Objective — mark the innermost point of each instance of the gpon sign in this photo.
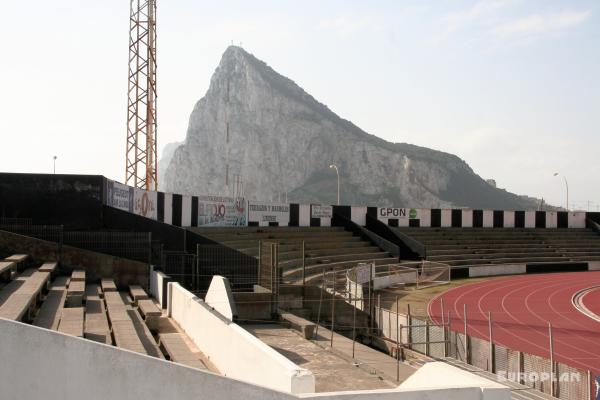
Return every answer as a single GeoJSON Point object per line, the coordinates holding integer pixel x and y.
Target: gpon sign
{"type": "Point", "coordinates": [399, 213]}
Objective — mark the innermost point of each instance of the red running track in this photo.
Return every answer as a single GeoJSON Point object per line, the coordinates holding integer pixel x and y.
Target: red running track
{"type": "Point", "coordinates": [591, 300]}
{"type": "Point", "coordinates": [521, 308]}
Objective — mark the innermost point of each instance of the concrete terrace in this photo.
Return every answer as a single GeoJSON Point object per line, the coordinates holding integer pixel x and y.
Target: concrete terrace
{"type": "Point", "coordinates": [332, 372]}
{"type": "Point", "coordinates": [83, 326]}
{"type": "Point", "coordinates": [464, 248]}
{"type": "Point", "coordinates": [325, 248]}
{"type": "Point", "coordinates": [94, 311]}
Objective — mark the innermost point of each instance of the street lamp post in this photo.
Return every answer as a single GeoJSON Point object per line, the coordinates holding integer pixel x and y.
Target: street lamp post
{"type": "Point", "coordinates": [566, 186]}
{"type": "Point", "coordinates": [337, 172]}
{"type": "Point", "coordinates": [54, 165]}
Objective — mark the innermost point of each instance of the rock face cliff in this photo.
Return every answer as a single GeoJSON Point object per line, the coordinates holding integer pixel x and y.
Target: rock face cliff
{"type": "Point", "coordinates": [259, 125]}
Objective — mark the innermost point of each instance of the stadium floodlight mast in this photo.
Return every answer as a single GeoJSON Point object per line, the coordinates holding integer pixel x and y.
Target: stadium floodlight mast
{"type": "Point", "coordinates": [566, 185]}
{"type": "Point", "coordinates": [337, 172]}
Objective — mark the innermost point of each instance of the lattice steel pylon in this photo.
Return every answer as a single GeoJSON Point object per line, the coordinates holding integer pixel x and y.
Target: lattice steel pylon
{"type": "Point", "coordinates": [141, 164]}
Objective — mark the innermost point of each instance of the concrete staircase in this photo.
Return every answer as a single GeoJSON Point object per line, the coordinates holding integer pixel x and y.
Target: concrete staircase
{"type": "Point", "coordinates": [484, 246]}
{"type": "Point", "coordinates": [326, 248]}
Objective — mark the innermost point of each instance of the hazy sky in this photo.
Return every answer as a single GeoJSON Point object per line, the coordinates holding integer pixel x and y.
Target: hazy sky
{"type": "Point", "coordinates": [512, 87]}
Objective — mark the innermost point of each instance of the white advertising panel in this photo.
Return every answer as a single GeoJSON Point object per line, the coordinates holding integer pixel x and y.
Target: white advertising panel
{"type": "Point", "coordinates": [318, 211]}
{"type": "Point", "coordinates": [145, 203]}
{"type": "Point", "coordinates": [398, 213]}
{"type": "Point", "coordinates": [264, 213]}
{"type": "Point", "coordinates": [221, 211]}
{"type": "Point", "coordinates": [363, 273]}
{"type": "Point", "coordinates": [119, 196]}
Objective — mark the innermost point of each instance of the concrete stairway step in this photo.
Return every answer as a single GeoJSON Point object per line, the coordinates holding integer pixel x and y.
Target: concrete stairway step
{"type": "Point", "coordinates": [245, 243]}
{"type": "Point", "coordinates": [301, 312]}
{"type": "Point", "coordinates": [250, 229]}
{"type": "Point", "coordinates": [323, 245]}
{"type": "Point", "coordinates": [314, 274]}
{"type": "Point", "coordinates": [223, 237]}
{"type": "Point", "coordinates": [456, 263]}
{"type": "Point", "coordinates": [467, 256]}
{"type": "Point", "coordinates": [466, 250]}
{"type": "Point", "coordinates": [471, 245]}
{"type": "Point", "coordinates": [327, 259]}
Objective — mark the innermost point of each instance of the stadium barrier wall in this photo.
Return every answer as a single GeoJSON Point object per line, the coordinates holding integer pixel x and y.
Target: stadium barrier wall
{"type": "Point", "coordinates": [183, 210]}
{"type": "Point", "coordinates": [125, 272]}
{"type": "Point", "coordinates": [158, 286]}
{"type": "Point", "coordinates": [439, 341]}
{"type": "Point", "coordinates": [494, 270]}
{"type": "Point", "coordinates": [529, 370]}
{"type": "Point", "coordinates": [465, 218]}
{"type": "Point", "coordinates": [220, 298]}
{"type": "Point", "coordinates": [53, 199]}
{"type": "Point", "coordinates": [594, 265]}
{"type": "Point", "coordinates": [65, 367]}
{"type": "Point", "coordinates": [304, 215]}
{"type": "Point", "coordinates": [382, 282]}
{"type": "Point", "coordinates": [76, 201]}
{"type": "Point", "coordinates": [526, 369]}
{"type": "Point", "coordinates": [233, 350]}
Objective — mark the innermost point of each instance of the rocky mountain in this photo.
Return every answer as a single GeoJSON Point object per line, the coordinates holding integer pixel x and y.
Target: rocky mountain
{"type": "Point", "coordinates": [256, 124]}
{"type": "Point", "coordinates": [165, 159]}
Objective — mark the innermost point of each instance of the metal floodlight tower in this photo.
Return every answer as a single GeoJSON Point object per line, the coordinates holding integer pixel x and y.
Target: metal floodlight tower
{"type": "Point", "coordinates": [141, 164]}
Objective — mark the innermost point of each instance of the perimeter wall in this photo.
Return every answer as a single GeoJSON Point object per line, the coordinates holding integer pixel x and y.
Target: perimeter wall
{"type": "Point", "coordinates": [38, 363]}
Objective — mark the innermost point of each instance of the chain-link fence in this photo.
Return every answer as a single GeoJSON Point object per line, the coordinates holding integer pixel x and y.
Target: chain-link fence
{"type": "Point", "coordinates": [215, 259]}
{"type": "Point", "coordinates": [533, 371]}
{"type": "Point", "coordinates": [572, 384]}
{"type": "Point", "coordinates": [437, 341]}
{"type": "Point", "coordinates": [418, 335]}
{"type": "Point", "coordinates": [51, 233]}
{"type": "Point", "coordinates": [269, 272]}
{"type": "Point", "coordinates": [131, 245]}
{"type": "Point", "coordinates": [181, 267]}
{"type": "Point", "coordinates": [16, 221]}
{"type": "Point", "coordinates": [156, 250]}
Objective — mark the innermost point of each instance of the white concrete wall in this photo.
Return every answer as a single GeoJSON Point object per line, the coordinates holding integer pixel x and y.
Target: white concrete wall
{"type": "Point", "coordinates": [156, 285]}
{"type": "Point", "coordinates": [220, 297]}
{"type": "Point", "coordinates": [448, 376]}
{"type": "Point", "coordinates": [358, 215]}
{"type": "Point", "coordinates": [593, 265]}
{"type": "Point", "coordinates": [233, 350]}
{"type": "Point", "coordinates": [42, 364]}
{"type": "Point", "coordinates": [488, 219]}
{"type": "Point", "coordinates": [356, 292]}
{"type": "Point", "coordinates": [382, 282]}
{"type": "Point", "coordinates": [186, 211]}
{"type": "Point", "coordinates": [38, 363]}
{"type": "Point", "coordinates": [467, 218]}
{"type": "Point", "coordinates": [529, 219]}
{"type": "Point", "coordinates": [168, 218]}
{"type": "Point", "coordinates": [153, 289]}
{"type": "Point", "coordinates": [390, 324]}
{"type": "Point", "coordinates": [495, 270]}
{"type": "Point", "coordinates": [425, 217]}
{"type": "Point", "coordinates": [325, 221]}
{"type": "Point", "coordinates": [304, 215]}
{"type": "Point", "coordinates": [509, 219]}
{"type": "Point", "coordinates": [404, 222]}
{"type": "Point", "coordinates": [446, 218]}
{"type": "Point", "coordinates": [577, 220]}
{"type": "Point", "coordinates": [551, 219]}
